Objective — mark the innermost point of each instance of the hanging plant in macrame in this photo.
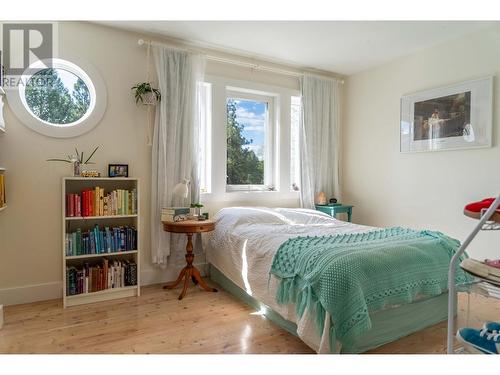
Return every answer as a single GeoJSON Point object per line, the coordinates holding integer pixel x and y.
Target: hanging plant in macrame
{"type": "Point", "coordinates": [146, 94]}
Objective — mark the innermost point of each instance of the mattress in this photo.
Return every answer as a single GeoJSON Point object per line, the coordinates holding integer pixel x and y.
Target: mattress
{"type": "Point", "coordinates": [243, 246]}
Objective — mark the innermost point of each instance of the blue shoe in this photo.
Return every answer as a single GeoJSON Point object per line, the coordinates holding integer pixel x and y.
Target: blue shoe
{"type": "Point", "coordinates": [480, 340]}
{"type": "Point", "coordinates": [491, 326]}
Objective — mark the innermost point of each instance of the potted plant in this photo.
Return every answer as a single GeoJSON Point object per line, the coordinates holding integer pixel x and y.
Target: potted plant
{"type": "Point", "coordinates": [76, 160]}
{"type": "Point", "coordinates": [146, 94]}
{"type": "Point", "coordinates": [196, 209]}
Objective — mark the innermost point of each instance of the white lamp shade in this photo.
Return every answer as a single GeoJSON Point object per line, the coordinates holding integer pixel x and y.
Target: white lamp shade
{"type": "Point", "coordinates": [181, 190]}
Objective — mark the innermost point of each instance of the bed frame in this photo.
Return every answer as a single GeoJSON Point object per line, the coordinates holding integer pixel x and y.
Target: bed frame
{"type": "Point", "coordinates": [387, 325]}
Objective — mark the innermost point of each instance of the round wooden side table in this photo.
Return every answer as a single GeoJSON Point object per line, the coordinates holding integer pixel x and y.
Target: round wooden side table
{"type": "Point", "coordinates": [189, 272]}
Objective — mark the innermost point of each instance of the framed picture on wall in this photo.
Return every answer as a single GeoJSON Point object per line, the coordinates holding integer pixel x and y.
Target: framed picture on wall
{"type": "Point", "coordinates": [448, 118]}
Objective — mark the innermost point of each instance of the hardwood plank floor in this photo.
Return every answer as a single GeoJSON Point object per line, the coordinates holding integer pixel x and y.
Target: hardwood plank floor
{"type": "Point", "coordinates": [157, 322]}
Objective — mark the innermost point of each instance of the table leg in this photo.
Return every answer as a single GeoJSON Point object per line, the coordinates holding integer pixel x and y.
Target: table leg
{"type": "Point", "coordinates": [189, 272]}
{"type": "Point", "coordinates": [349, 214]}
{"type": "Point", "coordinates": [176, 282]}
{"type": "Point", "coordinates": [201, 282]}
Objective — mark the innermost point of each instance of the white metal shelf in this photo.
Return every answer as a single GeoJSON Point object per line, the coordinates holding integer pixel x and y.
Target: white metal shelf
{"type": "Point", "coordinates": [452, 287]}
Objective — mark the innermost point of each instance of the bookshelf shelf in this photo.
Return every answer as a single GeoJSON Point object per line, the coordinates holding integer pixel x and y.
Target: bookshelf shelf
{"type": "Point", "coordinates": [117, 253]}
{"type": "Point", "coordinates": [99, 270]}
{"type": "Point", "coordinates": [99, 217]}
{"type": "Point", "coordinates": [103, 295]}
{"type": "Point", "coordinates": [98, 179]}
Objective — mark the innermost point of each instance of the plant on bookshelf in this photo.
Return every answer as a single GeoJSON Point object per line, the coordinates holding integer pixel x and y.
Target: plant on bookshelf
{"type": "Point", "coordinates": [96, 277]}
{"type": "Point", "coordinates": [95, 202]}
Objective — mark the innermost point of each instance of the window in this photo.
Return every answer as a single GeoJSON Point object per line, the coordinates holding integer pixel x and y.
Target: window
{"type": "Point", "coordinates": [59, 98]}
{"type": "Point", "coordinates": [249, 141]}
{"type": "Point", "coordinates": [295, 118]}
{"type": "Point", "coordinates": [205, 137]}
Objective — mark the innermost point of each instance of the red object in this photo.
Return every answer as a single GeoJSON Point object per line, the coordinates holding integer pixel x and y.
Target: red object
{"type": "Point", "coordinates": [493, 263]}
{"type": "Point", "coordinates": [85, 203]}
{"type": "Point", "coordinates": [474, 209]}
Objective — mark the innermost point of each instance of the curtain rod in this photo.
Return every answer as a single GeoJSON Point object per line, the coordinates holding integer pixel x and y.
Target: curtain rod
{"type": "Point", "coordinates": [241, 63]}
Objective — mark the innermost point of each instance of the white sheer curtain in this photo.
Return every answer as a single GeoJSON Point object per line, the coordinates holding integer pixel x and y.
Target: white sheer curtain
{"type": "Point", "coordinates": [175, 149]}
{"type": "Point", "coordinates": [319, 138]}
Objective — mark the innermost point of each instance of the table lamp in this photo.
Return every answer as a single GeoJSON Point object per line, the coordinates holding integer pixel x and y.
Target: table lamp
{"type": "Point", "coordinates": [181, 190]}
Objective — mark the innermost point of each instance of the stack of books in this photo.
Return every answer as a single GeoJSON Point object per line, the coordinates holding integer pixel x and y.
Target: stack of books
{"type": "Point", "coordinates": [174, 213]}
{"type": "Point", "coordinates": [95, 202]}
{"type": "Point", "coordinates": [97, 277]}
{"type": "Point", "coordinates": [101, 240]}
{"type": "Point", "coordinates": [3, 200]}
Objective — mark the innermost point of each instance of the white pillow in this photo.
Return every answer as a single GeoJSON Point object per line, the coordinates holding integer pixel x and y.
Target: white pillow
{"type": "Point", "coordinates": [306, 216]}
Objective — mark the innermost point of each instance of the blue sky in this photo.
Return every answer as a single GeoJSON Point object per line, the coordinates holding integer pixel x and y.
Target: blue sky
{"type": "Point", "coordinates": [252, 115]}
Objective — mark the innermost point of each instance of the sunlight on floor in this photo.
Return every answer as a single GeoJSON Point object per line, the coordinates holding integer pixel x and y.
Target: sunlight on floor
{"type": "Point", "coordinates": [245, 338]}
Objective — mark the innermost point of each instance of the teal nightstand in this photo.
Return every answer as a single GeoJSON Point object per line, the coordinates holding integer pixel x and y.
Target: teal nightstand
{"type": "Point", "coordinates": [336, 208]}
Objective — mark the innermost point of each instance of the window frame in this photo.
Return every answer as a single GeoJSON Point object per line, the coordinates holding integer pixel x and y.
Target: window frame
{"type": "Point", "coordinates": [299, 104]}
{"type": "Point", "coordinates": [269, 143]}
{"type": "Point", "coordinates": [205, 135]}
{"type": "Point", "coordinates": [83, 70]}
{"type": "Point", "coordinates": [219, 196]}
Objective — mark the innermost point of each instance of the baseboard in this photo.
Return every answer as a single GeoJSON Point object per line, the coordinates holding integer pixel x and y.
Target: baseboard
{"type": "Point", "coordinates": [53, 290]}
{"type": "Point", "coordinates": [30, 293]}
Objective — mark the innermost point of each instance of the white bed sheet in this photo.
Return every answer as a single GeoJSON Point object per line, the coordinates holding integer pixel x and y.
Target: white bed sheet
{"type": "Point", "coordinates": [243, 245]}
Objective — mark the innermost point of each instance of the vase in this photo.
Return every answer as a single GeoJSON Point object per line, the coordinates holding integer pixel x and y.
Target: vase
{"type": "Point", "coordinates": [77, 168]}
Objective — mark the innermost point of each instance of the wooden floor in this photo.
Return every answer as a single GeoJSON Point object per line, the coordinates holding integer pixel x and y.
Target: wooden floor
{"type": "Point", "coordinates": [157, 322]}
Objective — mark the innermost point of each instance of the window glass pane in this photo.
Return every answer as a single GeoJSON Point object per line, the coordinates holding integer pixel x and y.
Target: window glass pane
{"type": "Point", "coordinates": [57, 96]}
{"type": "Point", "coordinates": [247, 122]}
{"type": "Point", "coordinates": [294, 145]}
{"type": "Point", "coordinates": [205, 120]}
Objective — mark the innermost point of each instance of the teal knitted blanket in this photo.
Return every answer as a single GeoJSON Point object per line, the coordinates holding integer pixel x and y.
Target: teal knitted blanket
{"type": "Point", "coordinates": [352, 274]}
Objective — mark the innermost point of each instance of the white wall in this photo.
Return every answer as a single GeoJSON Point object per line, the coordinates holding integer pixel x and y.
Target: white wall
{"type": "Point", "coordinates": [423, 190]}
{"type": "Point", "coordinates": [30, 228]}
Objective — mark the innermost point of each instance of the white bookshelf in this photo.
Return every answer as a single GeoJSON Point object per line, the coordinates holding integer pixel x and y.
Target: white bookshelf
{"type": "Point", "coordinates": [72, 185]}
{"type": "Point", "coordinates": [2, 171]}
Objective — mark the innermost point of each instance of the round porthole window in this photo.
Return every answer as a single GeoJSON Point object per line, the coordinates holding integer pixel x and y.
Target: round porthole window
{"type": "Point", "coordinates": [59, 99]}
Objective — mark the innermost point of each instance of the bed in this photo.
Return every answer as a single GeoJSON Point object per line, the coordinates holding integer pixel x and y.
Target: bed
{"type": "Point", "coordinates": [241, 251]}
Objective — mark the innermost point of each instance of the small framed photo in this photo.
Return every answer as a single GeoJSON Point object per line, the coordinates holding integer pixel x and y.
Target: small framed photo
{"type": "Point", "coordinates": [117, 170]}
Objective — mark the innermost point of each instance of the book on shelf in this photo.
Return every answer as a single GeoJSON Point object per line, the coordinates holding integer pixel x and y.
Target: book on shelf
{"type": "Point", "coordinates": [174, 213]}
{"type": "Point", "coordinates": [101, 240]}
{"type": "Point", "coordinates": [98, 202]}
{"type": "Point", "coordinates": [107, 274]}
{"type": "Point", "coordinates": [3, 200]}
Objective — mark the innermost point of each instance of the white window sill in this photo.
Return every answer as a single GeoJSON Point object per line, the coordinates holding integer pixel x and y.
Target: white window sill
{"type": "Point", "coordinates": [268, 198]}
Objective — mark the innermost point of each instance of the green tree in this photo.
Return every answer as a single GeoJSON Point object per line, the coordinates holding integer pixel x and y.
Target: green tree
{"type": "Point", "coordinates": [243, 166]}
{"type": "Point", "coordinates": [81, 96]}
{"type": "Point", "coordinates": [50, 100]}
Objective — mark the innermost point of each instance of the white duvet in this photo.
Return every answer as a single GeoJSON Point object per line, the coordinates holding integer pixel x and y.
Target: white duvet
{"type": "Point", "coordinates": [243, 245]}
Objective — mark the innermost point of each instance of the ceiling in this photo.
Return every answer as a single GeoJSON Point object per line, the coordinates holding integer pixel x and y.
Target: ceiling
{"type": "Point", "coordinates": [344, 47]}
